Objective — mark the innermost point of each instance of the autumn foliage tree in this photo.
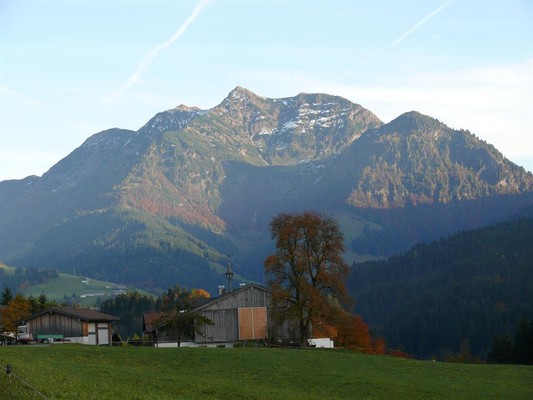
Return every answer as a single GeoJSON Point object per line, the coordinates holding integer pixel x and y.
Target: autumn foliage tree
{"type": "Point", "coordinates": [354, 334]}
{"type": "Point", "coordinates": [18, 308]}
{"type": "Point", "coordinates": [306, 273]}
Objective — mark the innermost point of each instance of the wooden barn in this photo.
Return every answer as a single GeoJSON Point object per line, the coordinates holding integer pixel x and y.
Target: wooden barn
{"type": "Point", "coordinates": [241, 314]}
{"type": "Point", "coordinates": [75, 325]}
{"type": "Point", "coordinates": [238, 315]}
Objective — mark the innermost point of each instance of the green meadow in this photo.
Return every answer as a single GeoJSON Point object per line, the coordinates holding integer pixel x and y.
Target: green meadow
{"type": "Point", "coordinates": [64, 371]}
{"type": "Point", "coordinates": [87, 291]}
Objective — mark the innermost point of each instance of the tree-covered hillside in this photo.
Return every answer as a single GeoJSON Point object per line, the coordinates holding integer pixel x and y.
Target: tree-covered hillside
{"type": "Point", "coordinates": [459, 291]}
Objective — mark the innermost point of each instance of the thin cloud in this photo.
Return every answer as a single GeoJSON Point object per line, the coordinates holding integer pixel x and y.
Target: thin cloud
{"type": "Point", "coordinates": [152, 54]}
{"type": "Point", "coordinates": [400, 38]}
{"type": "Point", "coordinates": [17, 96]}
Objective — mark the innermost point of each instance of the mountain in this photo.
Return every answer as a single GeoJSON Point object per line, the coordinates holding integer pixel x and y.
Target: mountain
{"type": "Point", "coordinates": [438, 297]}
{"type": "Point", "coordinates": [166, 204]}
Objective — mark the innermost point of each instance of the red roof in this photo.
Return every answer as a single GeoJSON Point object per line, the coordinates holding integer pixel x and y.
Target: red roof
{"type": "Point", "coordinates": [148, 320]}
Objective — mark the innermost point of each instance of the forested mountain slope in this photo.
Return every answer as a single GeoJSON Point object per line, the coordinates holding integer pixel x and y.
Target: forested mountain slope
{"type": "Point", "coordinates": [459, 290]}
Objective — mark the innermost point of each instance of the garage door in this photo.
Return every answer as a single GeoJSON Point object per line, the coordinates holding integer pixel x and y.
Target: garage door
{"type": "Point", "coordinates": [252, 323]}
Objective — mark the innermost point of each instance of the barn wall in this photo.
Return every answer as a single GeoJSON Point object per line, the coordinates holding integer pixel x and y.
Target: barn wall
{"type": "Point", "coordinates": [56, 324]}
{"type": "Point", "coordinates": [224, 328]}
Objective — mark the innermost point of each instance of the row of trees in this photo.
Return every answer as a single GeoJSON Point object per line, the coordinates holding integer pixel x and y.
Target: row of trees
{"type": "Point", "coordinates": [25, 277]}
{"type": "Point", "coordinates": [17, 307]}
{"type": "Point", "coordinates": [175, 306]}
{"type": "Point", "coordinates": [520, 351]}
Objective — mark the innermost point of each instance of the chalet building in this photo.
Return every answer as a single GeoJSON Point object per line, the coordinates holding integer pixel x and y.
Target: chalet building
{"type": "Point", "coordinates": [238, 315]}
{"type": "Point", "coordinates": [75, 325]}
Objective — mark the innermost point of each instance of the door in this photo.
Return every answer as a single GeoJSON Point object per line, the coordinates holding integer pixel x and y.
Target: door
{"type": "Point", "coordinates": [103, 333]}
{"type": "Point", "coordinates": [91, 334]}
{"type": "Point", "coordinates": [252, 323]}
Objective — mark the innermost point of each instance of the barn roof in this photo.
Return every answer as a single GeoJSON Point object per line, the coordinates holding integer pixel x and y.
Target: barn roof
{"type": "Point", "coordinates": [82, 314]}
{"type": "Point", "coordinates": [148, 320]}
{"type": "Point", "coordinates": [233, 292]}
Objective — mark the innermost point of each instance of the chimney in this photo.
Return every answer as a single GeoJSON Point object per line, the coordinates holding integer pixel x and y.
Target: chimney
{"type": "Point", "coordinates": [221, 290]}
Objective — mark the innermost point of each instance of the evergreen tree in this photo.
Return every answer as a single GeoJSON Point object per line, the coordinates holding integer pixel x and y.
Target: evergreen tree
{"type": "Point", "coordinates": [7, 296]}
{"type": "Point", "coordinates": [523, 345]}
{"type": "Point", "coordinates": [43, 301]}
{"type": "Point", "coordinates": [502, 350]}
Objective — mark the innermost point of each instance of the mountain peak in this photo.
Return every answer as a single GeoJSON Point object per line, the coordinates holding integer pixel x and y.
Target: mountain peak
{"type": "Point", "coordinates": [183, 107]}
{"type": "Point", "coordinates": [414, 120]}
{"type": "Point", "coordinates": [240, 94]}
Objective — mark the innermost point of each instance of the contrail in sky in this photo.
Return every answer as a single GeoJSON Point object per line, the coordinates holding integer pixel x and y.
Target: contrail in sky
{"type": "Point", "coordinates": [151, 55]}
{"type": "Point", "coordinates": [21, 98]}
{"type": "Point", "coordinates": [400, 38]}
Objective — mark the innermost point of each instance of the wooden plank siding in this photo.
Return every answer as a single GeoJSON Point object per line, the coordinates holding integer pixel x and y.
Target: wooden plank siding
{"type": "Point", "coordinates": [224, 328]}
{"type": "Point", "coordinates": [50, 324]}
{"type": "Point", "coordinates": [224, 313]}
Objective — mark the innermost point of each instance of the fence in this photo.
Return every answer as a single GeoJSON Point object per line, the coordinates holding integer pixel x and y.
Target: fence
{"type": "Point", "coordinates": [12, 385]}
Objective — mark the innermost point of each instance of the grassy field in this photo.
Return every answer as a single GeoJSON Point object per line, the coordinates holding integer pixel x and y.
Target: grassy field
{"type": "Point", "coordinates": [87, 290]}
{"type": "Point", "coordinates": [66, 284]}
{"type": "Point", "coordinates": [86, 372]}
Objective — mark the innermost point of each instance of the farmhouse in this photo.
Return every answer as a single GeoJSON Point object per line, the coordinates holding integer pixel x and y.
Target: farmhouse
{"type": "Point", "coordinates": [76, 325]}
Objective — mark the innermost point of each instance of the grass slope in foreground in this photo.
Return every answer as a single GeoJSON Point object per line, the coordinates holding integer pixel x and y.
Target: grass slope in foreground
{"type": "Point", "coordinates": [84, 372]}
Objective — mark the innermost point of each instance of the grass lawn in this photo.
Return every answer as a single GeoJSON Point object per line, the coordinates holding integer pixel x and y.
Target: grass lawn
{"type": "Point", "coordinates": [87, 372]}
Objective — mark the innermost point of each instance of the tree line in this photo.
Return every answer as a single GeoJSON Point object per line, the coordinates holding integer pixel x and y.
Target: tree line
{"type": "Point", "coordinates": [505, 350]}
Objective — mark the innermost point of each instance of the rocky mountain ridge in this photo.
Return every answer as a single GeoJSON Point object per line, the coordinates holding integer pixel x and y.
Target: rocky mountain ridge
{"type": "Point", "coordinates": [170, 200]}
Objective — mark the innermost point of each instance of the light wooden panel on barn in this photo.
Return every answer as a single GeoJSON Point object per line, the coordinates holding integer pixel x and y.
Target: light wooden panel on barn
{"type": "Point", "coordinates": [252, 323]}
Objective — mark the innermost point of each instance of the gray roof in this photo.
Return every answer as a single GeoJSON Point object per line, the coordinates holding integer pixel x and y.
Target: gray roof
{"type": "Point", "coordinates": [82, 314]}
{"type": "Point", "coordinates": [228, 294]}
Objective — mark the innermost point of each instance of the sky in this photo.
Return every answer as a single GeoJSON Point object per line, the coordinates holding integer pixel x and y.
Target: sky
{"type": "Point", "coordinates": [72, 68]}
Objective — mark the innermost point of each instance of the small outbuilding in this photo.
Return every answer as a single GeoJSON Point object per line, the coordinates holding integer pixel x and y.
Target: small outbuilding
{"type": "Point", "coordinates": [75, 325]}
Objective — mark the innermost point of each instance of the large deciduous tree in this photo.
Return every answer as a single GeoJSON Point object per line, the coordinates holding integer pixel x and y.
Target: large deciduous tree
{"type": "Point", "coordinates": [306, 273]}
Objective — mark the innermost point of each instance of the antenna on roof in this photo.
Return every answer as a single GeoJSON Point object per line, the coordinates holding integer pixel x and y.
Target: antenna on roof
{"type": "Point", "coordinates": [229, 274]}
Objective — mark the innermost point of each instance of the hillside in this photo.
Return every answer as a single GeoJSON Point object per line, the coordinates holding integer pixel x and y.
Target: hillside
{"type": "Point", "coordinates": [461, 290]}
{"type": "Point", "coordinates": [122, 373]}
{"type": "Point", "coordinates": [59, 286]}
{"type": "Point", "coordinates": [167, 203]}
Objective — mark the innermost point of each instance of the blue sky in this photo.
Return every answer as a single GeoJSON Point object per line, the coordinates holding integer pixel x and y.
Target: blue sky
{"type": "Point", "coordinates": [71, 68]}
